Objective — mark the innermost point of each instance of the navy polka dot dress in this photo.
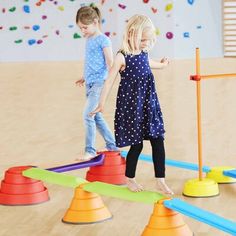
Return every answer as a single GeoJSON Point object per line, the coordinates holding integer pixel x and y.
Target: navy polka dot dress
{"type": "Point", "coordinates": [138, 114]}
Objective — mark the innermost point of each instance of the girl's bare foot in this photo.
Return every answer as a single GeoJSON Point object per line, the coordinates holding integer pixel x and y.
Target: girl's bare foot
{"type": "Point", "coordinates": [133, 185]}
{"type": "Point", "coordinates": [162, 186]}
{"type": "Point", "coordinates": [86, 157]}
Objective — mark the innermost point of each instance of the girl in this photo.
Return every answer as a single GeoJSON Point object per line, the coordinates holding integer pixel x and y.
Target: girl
{"type": "Point", "coordinates": [138, 114]}
{"type": "Point", "coordinates": [98, 60]}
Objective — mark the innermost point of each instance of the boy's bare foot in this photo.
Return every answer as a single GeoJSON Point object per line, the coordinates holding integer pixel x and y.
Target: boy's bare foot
{"type": "Point", "coordinates": [162, 186]}
{"type": "Point", "coordinates": [133, 185]}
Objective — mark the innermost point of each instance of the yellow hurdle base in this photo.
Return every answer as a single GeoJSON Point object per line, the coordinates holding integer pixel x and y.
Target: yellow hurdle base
{"type": "Point", "coordinates": [216, 174]}
{"type": "Point", "coordinates": [201, 188]}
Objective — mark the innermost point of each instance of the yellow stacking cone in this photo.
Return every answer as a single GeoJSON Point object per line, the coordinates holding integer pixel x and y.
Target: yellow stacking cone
{"type": "Point", "coordinates": [166, 222]}
{"type": "Point", "coordinates": [86, 208]}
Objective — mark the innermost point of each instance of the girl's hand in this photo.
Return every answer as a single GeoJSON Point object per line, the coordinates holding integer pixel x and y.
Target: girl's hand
{"type": "Point", "coordinates": [99, 108]}
{"type": "Point", "coordinates": [80, 82]}
{"type": "Point", "coordinates": [165, 61]}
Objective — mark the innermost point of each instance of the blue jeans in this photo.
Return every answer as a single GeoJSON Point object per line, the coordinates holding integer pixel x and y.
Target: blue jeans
{"type": "Point", "coordinates": [93, 92]}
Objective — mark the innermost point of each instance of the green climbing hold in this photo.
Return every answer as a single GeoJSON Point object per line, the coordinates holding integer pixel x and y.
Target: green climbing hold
{"type": "Point", "coordinates": [19, 41]}
{"type": "Point", "coordinates": [13, 28]}
{"type": "Point", "coordinates": [76, 36]}
{"type": "Point", "coordinates": [12, 9]}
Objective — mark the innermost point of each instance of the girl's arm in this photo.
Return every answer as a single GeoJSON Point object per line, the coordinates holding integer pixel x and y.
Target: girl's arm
{"type": "Point", "coordinates": [119, 62]}
{"type": "Point", "coordinates": [80, 82]}
{"type": "Point", "coordinates": [108, 57]}
{"type": "Point", "coordinates": [158, 64]}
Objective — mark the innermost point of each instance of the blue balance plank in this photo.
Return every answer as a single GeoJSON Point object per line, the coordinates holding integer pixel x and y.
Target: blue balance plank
{"type": "Point", "coordinates": [230, 173]}
{"type": "Point", "coordinates": [201, 215]}
{"type": "Point", "coordinates": [169, 162]}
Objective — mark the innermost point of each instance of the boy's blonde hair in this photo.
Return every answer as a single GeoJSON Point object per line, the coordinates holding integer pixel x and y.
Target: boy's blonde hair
{"type": "Point", "coordinates": [86, 15]}
{"type": "Point", "coordinates": [135, 27]}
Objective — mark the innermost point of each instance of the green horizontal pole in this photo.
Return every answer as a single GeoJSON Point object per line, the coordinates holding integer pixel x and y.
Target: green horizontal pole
{"type": "Point", "coordinates": [53, 177]}
{"type": "Point", "coordinates": [122, 192]}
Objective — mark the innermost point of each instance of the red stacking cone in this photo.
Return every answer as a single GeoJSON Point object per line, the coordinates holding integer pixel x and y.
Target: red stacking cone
{"type": "Point", "coordinates": [86, 208]}
{"type": "Point", "coordinates": [112, 171]}
{"type": "Point", "coordinates": [166, 222]}
{"type": "Point", "coordinates": [19, 190]}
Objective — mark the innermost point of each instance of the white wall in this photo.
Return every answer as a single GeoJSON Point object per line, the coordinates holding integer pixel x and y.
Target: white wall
{"type": "Point", "coordinates": [202, 20]}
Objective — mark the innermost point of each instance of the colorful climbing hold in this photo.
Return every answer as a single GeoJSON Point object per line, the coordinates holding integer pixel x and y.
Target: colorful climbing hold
{"type": "Point", "coordinates": [31, 41]}
{"type": "Point", "coordinates": [18, 41]}
{"type": "Point", "coordinates": [169, 35]}
{"type": "Point", "coordinates": [36, 27]}
{"type": "Point", "coordinates": [190, 2]}
{"type": "Point", "coordinates": [12, 9]}
{"type": "Point", "coordinates": [76, 36]}
{"type": "Point", "coordinates": [157, 32]}
{"type": "Point", "coordinates": [154, 10]}
{"type": "Point", "coordinates": [122, 6]}
{"type": "Point", "coordinates": [169, 7]}
{"type": "Point", "coordinates": [26, 9]}
{"type": "Point", "coordinates": [186, 34]}
{"type": "Point", "coordinates": [61, 8]}
{"type": "Point", "coordinates": [12, 28]}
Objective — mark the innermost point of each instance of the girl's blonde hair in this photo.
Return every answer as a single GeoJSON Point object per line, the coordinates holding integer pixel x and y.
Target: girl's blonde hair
{"type": "Point", "coordinates": [86, 15]}
{"type": "Point", "coordinates": [135, 27]}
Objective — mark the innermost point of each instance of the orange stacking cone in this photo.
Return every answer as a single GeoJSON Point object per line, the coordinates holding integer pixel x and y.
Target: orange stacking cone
{"type": "Point", "coordinates": [86, 208]}
{"type": "Point", "coordinates": [166, 222]}
{"type": "Point", "coordinates": [112, 171]}
{"type": "Point", "coordinates": [19, 190]}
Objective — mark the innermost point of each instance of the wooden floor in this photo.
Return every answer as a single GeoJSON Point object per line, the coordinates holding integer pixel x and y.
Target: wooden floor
{"type": "Point", "coordinates": [41, 124]}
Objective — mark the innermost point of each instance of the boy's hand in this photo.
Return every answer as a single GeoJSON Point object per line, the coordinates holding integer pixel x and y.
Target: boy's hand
{"type": "Point", "coordinates": [80, 82]}
{"type": "Point", "coordinates": [99, 108]}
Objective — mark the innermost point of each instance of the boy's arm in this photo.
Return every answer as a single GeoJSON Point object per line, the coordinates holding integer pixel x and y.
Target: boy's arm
{"type": "Point", "coordinates": [108, 57]}
{"type": "Point", "coordinates": [119, 62]}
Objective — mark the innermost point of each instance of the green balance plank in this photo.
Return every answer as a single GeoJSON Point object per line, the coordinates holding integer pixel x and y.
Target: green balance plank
{"type": "Point", "coordinates": [122, 192]}
{"type": "Point", "coordinates": [53, 177]}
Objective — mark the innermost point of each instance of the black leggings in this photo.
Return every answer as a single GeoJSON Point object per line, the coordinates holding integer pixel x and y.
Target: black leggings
{"type": "Point", "coordinates": [158, 157]}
